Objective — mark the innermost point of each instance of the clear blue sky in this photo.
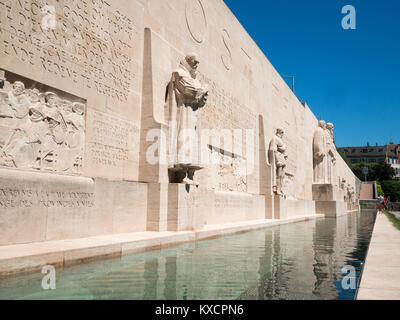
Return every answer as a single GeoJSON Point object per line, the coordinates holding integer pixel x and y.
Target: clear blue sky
{"type": "Point", "coordinates": [348, 77]}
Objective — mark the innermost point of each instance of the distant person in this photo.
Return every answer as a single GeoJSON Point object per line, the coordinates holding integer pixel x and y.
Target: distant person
{"type": "Point", "coordinates": [381, 201]}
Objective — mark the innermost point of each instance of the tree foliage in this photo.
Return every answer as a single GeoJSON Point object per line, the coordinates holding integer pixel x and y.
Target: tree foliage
{"type": "Point", "coordinates": [392, 189]}
{"type": "Point", "coordinates": [376, 171]}
{"type": "Point", "coordinates": [380, 190]}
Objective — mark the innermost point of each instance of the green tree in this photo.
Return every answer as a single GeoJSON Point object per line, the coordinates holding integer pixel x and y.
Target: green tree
{"type": "Point", "coordinates": [391, 189]}
{"type": "Point", "coordinates": [384, 171]}
{"type": "Point", "coordinates": [380, 190]}
{"type": "Point", "coordinates": [376, 171]}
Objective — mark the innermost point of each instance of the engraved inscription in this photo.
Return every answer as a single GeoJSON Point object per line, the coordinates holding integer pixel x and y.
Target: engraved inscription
{"type": "Point", "coordinates": [226, 58]}
{"type": "Point", "coordinates": [196, 20]}
{"type": "Point", "coordinates": [224, 110]}
{"type": "Point", "coordinates": [90, 43]}
{"type": "Point", "coordinates": [232, 201]}
{"type": "Point", "coordinates": [109, 145]}
{"type": "Point", "coordinates": [28, 198]}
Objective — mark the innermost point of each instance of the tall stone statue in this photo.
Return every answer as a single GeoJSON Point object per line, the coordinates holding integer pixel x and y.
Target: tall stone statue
{"type": "Point", "coordinates": [320, 154]}
{"type": "Point", "coordinates": [330, 127]}
{"type": "Point", "coordinates": [330, 153]}
{"type": "Point", "coordinates": [277, 158]}
{"type": "Point", "coordinates": [186, 97]}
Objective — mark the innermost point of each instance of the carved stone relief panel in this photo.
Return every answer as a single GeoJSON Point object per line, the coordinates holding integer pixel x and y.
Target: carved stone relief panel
{"type": "Point", "coordinates": [229, 170]}
{"type": "Point", "coordinates": [41, 128]}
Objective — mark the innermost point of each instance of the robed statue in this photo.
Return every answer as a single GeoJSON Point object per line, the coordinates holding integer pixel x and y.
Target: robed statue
{"type": "Point", "coordinates": [185, 98]}
{"type": "Point", "coordinates": [330, 148]}
{"type": "Point", "coordinates": [320, 154]}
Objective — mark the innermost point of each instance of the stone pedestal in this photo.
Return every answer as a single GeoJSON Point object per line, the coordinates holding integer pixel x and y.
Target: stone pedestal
{"type": "Point", "coordinates": [187, 206]}
{"type": "Point", "coordinates": [330, 208]}
{"type": "Point", "coordinates": [351, 207]}
{"type": "Point", "coordinates": [329, 200]}
{"type": "Point", "coordinates": [325, 192]}
{"type": "Point", "coordinates": [180, 207]}
{"type": "Point", "coordinates": [285, 209]}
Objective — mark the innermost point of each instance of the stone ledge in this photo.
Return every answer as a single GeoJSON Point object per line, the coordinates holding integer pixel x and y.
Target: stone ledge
{"type": "Point", "coordinates": [23, 258]}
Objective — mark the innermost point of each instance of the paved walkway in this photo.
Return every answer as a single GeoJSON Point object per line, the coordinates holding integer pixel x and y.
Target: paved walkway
{"type": "Point", "coordinates": [381, 276]}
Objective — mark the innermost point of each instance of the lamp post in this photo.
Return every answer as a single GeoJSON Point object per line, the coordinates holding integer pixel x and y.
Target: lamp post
{"type": "Point", "coordinates": [365, 170]}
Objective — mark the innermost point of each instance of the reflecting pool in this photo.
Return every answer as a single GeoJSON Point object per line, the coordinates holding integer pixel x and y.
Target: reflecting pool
{"type": "Point", "coordinates": [296, 261]}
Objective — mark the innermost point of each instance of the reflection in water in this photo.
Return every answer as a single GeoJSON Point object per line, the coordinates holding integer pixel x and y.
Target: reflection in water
{"type": "Point", "coordinates": [295, 261]}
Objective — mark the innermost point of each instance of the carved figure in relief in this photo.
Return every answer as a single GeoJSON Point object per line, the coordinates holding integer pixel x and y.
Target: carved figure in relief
{"type": "Point", "coordinates": [4, 84]}
{"type": "Point", "coordinates": [185, 98]}
{"type": "Point", "coordinates": [5, 110]}
{"type": "Point", "coordinates": [71, 156]}
{"type": "Point", "coordinates": [277, 158]}
{"type": "Point", "coordinates": [343, 184]}
{"type": "Point", "coordinates": [18, 100]}
{"type": "Point", "coordinates": [42, 132]}
{"type": "Point", "coordinates": [11, 101]}
{"type": "Point", "coordinates": [349, 194]}
{"type": "Point", "coordinates": [352, 195]}
{"type": "Point", "coordinates": [320, 154]}
{"type": "Point", "coordinates": [23, 146]}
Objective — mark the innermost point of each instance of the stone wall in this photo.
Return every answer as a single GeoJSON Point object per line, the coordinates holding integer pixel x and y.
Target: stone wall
{"type": "Point", "coordinates": [107, 64]}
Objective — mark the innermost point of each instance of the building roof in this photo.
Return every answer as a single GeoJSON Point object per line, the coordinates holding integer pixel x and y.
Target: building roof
{"type": "Point", "coordinates": [393, 150]}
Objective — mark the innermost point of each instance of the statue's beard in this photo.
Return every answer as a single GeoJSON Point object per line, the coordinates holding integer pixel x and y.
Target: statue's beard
{"type": "Point", "coordinates": [193, 72]}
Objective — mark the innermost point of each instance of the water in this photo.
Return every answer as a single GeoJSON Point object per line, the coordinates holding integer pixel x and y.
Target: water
{"type": "Point", "coordinates": [295, 261]}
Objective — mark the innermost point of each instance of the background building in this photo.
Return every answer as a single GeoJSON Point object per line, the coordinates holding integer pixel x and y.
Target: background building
{"type": "Point", "coordinates": [375, 154]}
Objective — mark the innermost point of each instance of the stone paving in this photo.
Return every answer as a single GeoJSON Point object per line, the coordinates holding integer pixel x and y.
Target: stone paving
{"type": "Point", "coordinates": [381, 275]}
